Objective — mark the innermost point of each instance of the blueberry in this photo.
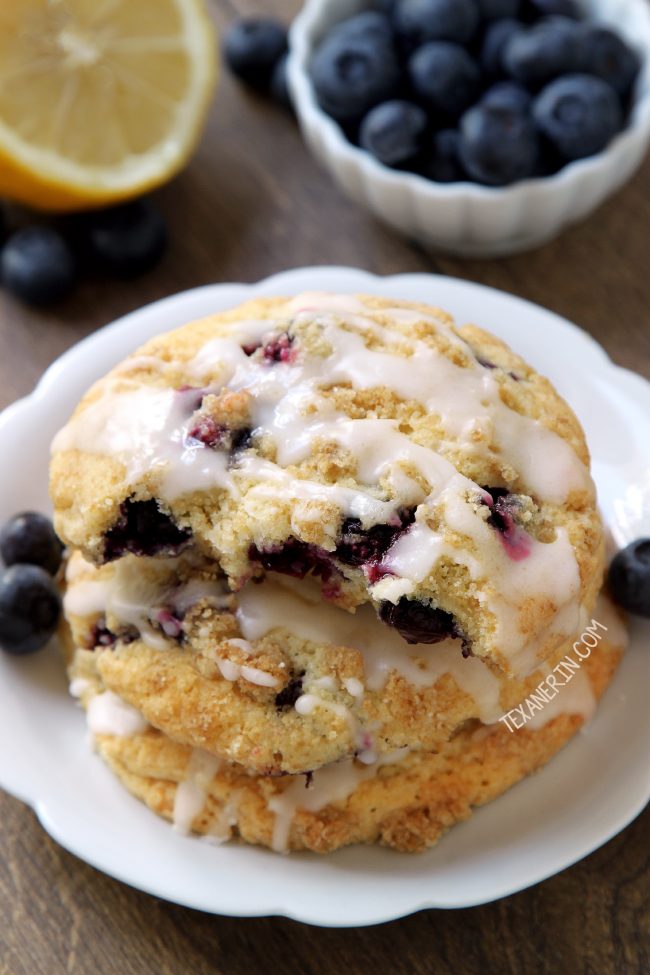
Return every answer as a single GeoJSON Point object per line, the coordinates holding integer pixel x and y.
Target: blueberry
{"type": "Point", "coordinates": [441, 161]}
{"type": "Point", "coordinates": [287, 697]}
{"type": "Point", "coordinates": [37, 265]}
{"type": "Point", "coordinates": [417, 622]}
{"type": "Point", "coordinates": [30, 607]}
{"type": "Point", "coordinates": [543, 52]}
{"type": "Point", "coordinates": [370, 25]}
{"type": "Point", "coordinates": [607, 56]}
{"type": "Point", "coordinates": [359, 546]}
{"type": "Point", "coordinates": [393, 132]}
{"type": "Point", "coordinates": [629, 577]}
{"type": "Point", "coordinates": [252, 47]}
{"type": "Point", "coordinates": [578, 114]}
{"type": "Point", "coordinates": [294, 558]}
{"type": "Point", "coordinates": [419, 21]}
{"type": "Point", "coordinates": [280, 91]}
{"type": "Point", "coordinates": [498, 145]}
{"type": "Point", "coordinates": [444, 77]}
{"type": "Point", "coordinates": [496, 36]}
{"type": "Point", "coordinates": [143, 529]}
{"type": "Point", "coordinates": [30, 537]}
{"type": "Point", "coordinates": [495, 9]}
{"type": "Point", "coordinates": [552, 8]}
{"type": "Point", "coordinates": [126, 240]}
{"type": "Point", "coordinates": [352, 76]}
{"type": "Point", "coordinates": [510, 95]}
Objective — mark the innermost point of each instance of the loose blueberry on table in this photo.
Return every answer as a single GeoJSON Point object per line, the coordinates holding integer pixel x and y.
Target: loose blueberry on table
{"type": "Point", "coordinates": [255, 51]}
{"type": "Point", "coordinates": [526, 86]}
{"type": "Point", "coordinates": [41, 263]}
{"type": "Point", "coordinates": [38, 265]}
{"type": "Point", "coordinates": [629, 577]}
{"type": "Point", "coordinates": [126, 241]}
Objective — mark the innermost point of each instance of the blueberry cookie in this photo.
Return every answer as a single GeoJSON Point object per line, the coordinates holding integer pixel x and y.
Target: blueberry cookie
{"type": "Point", "coordinates": [405, 800]}
{"type": "Point", "coordinates": [366, 443]}
{"type": "Point", "coordinates": [271, 678]}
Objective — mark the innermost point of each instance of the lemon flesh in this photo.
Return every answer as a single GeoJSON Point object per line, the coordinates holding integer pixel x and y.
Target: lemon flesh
{"type": "Point", "coordinates": [100, 99]}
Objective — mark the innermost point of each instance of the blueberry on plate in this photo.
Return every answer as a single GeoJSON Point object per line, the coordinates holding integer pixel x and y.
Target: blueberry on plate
{"type": "Point", "coordinates": [509, 95]}
{"type": "Point", "coordinates": [252, 47]}
{"type": "Point", "coordinates": [607, 56]}
{"type": "Point", "coordinates": [126, 240]}
{"type": "Point", "coordinates": [372, 25]}
{"type": "Point", "coordinates": [498, 146]}
{"type": "Point", "coordinates": [553, 8]}
{"type": "Point", "coordinates": [444, 78]}
{"type": "Point", "coordinates": [419, 21]}
{"type": "Point", "coordinates": [441, 160]}
{"type": "Point", "coordinates": [495, 9]}
{"type": "Point", "coordinates": [30, 537]}
{"type": "Point", "coordinates": [38, 266]}
{"type": "Point", "coordinates": [495, 38]}
{"type": "Point", "coordinates": [578, 114]}
{"type": "Point", "coordinates": [393, 132]}
{"type": "Point", "coordinates": [543, 52]}
{"type": "Point", "coordinates": [629, 577]}
{"type": "Point", "coordinates": [30, 607]}
{"type": "Point", "coordinates": [351, 76]}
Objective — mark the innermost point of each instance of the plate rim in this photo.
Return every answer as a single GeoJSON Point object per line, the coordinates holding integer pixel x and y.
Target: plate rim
{"type": "Point", "coordinates": [352, 279]}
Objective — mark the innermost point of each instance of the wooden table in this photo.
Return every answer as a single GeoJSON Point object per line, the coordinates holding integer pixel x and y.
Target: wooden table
{"type": "Point", "coordinates": [252, 203]}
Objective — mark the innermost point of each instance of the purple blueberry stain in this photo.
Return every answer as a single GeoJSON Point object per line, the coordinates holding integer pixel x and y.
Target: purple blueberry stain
{"type": "Point", "coordinates": [294, 558]}
{"type": "Point", "coordinates": [204, 430]}
{"type": "Point", "coordinates": [170, 624]}
{"type": "Point", "coordinates": [278, 348]}
{"type": "Point", "coordinates": [103, 638]}
{"type": "Point", "coordinates": [418, 622]}
{"type": "Point", "coordinates": [503, 508]}
{"type": "Point", "coordinates": [143, 529]}
{"type": "Point", "coordinates": [486, 363]}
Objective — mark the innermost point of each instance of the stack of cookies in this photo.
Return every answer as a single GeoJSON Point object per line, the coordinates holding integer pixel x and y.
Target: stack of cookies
{"type": "Point", "coordinates": [321, 549]}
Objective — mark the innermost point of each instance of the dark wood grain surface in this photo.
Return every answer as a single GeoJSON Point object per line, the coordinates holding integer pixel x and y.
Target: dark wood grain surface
{"type": "Point", "coordinates": [252, 203]}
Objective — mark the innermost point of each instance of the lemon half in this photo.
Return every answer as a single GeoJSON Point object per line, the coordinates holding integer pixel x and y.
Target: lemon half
{"type": "Point", "coordinates": [100, 100]}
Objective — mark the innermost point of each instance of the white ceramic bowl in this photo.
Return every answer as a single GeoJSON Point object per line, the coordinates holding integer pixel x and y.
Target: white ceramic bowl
{"type": "Point", "coordinates": [466, 218]}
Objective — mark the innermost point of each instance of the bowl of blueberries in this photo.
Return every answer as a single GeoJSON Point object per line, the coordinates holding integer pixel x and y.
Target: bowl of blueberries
{"type": "Point", "coordinates": [477, 127]}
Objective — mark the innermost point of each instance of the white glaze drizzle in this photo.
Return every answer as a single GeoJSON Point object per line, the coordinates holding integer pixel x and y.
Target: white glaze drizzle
{"type": "Point", "coordinates": [192, 792]}
{"type": "Point", "coordinates": [276, 605]}
{"type": "Point", "coordinates": [332, 783]}
{"type": "Point", "coordinates": [146, 428]}
{"type": "Point", "coordinates": [576, 697]}
{"type": "Point", "coordinates": [79, 686]}
{"type": "Point", "coordinates": [108, 714]}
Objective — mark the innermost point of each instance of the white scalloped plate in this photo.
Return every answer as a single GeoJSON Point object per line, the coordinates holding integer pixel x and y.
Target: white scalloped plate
{"type": "Point", "coordinates": [594, 788]}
